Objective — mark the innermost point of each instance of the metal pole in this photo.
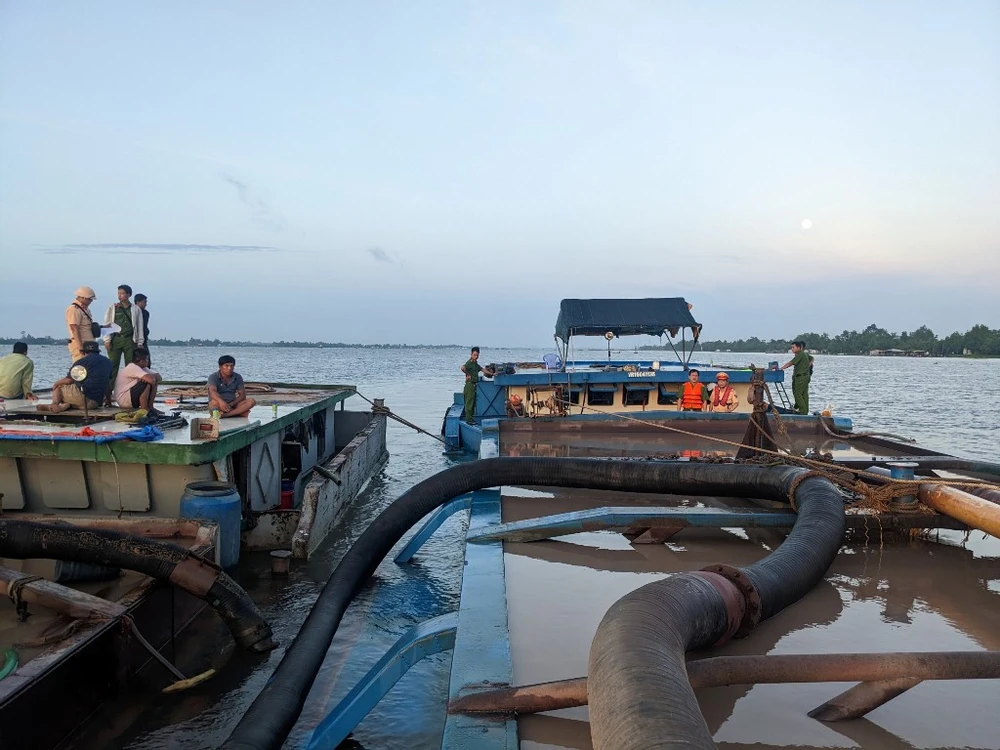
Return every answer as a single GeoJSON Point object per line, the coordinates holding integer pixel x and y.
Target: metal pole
{"type": "Point", "coordinates": [752, 670]}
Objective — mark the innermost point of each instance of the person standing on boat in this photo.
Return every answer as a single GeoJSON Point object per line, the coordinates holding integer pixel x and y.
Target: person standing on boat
{"type": "Point", "coordinates": [227, 391]}
{"type": "Point", "coordinates": [122, 344]}
{"type": "Point", "coordinates": [693, 394]}
{"type": "Point", "coordinates": [17, 373]}
{"type": "Point", "coordinates": [80, 322]}
{"type": "Point", "coordinates": [141, 300]}
{"type": "Point", "coordinates": [472, 368]}
{"type": "Point", "coordinates": [724, 398]}
{"type": "Point", "coordinates": [801, 375]}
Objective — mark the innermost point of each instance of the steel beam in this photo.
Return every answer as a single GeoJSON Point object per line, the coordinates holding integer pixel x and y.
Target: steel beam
{"type": "Point", "coordinates": [482, 646]}
{"type": "Point", "coordinates": [419, 642]}
{"type": "Point", "coordinates": [633, 522]}
{"type": "Point", "coordinates": [432, 524]}
{"type": "Point", "coordinates": [882, 677]}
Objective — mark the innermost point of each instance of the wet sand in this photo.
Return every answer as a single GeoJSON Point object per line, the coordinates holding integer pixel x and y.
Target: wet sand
{"type": "Point", "coordinates": [931, 594]}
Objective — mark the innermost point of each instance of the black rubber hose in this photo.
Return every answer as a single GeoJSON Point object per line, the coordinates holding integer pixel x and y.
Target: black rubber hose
{"type": "Point", "coordinates": [638, 690]}
{"type": "Point", "coordinates": [274, 712]}
{"type": "Point", "coordinates": [24, 540]}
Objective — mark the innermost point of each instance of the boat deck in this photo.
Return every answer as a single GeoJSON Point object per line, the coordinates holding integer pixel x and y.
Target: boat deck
{"type": "Point", "coordinates": [277, 406]}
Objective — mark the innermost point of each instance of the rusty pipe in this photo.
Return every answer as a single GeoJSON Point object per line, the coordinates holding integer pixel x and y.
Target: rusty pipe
{"type": "Point", "coordinates": [524, 699]}
{"type": "Point", "coordinates": [992, 496]}
{"type": "Point", "coordinates": [721, 671]}
{"type": "Point", "coordinates": [971, 510]}
{"type": "Point", "coordinates": [862, 699]}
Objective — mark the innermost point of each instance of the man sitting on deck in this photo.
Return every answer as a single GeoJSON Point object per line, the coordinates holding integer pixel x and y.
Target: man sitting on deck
{"type": "Point", "coordinates": [17, 373]}
{"type": "Point", "coordinates": [67, 393]}
{"type": "Point", "coordinates": [693, 395]}
{"type": "Point", "coordinates": [227, 391]}
{"type": "Point", "coordinates": [135, 386]}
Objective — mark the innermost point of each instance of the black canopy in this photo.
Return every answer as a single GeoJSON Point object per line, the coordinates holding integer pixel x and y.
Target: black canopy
{"type": "Point", "coordinates": [623, 317]}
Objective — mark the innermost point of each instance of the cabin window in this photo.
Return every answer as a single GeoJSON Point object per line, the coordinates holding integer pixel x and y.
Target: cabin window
{"type": "Point", "coordinates": [601, 394]}
{"type": "Point", "coordinates": [574, 394]}
{"type": "Point", "coordinates": [666, 395]}
{"type": "Point", "coordinates": [637, 394]}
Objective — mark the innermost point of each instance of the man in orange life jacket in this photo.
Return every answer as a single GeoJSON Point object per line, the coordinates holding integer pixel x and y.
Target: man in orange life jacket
{"type": "Point", "coordinates": [724, 398]}
{"type": "Point", "coordinates": [693, 396]}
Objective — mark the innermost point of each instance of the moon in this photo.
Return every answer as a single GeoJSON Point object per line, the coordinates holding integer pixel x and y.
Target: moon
{"type": "Point", "coordinates": [807, 223]}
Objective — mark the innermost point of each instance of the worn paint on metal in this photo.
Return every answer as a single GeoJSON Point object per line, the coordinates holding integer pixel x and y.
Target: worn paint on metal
{"type": "Point", "coordinates": [432, 524]}
{"type": "Point", "coordinates": [482, 643]}
{"type": "Point", "coordinates": [627, 519]}
{"type": "Point", "coordinates": [430, 637]}
{"type": "Point", "coordinates": [489, 445]}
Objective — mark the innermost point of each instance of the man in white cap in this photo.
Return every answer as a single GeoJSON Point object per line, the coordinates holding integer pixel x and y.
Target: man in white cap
{"type": "Point", "coordinates": [80, 322]}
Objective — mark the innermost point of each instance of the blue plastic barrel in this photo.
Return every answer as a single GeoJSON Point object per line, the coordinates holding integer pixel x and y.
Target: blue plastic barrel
{"type": "Point", "coordinates": [219, 502]}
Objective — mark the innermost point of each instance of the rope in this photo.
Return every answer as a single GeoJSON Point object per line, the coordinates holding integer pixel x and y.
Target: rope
{"type": "Point", "coordinates": [857, 435]}
{"type": "Point", "coordinates": [118, 481]}
{"type": "Point", "coordinates": [876, 497]}
{"type": "Point", "coordinates": [14, 592]}
{"type": "Point", "coordinates": [152, 651]}
{"type": "Point", "coordinates": [799, 480]}
{"type": "Point", "coordinates": [383, 409]}
{"type": "Point", "coordinates": [192, 391]}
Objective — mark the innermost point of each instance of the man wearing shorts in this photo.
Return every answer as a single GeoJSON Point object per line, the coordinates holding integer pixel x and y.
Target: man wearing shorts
{"type": "Point", "coordinates": [135, 386]}
{"type": "Point", "coordinates": [67, 393]}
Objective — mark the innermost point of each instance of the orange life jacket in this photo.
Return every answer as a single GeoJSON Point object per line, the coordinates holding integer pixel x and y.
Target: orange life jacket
{"type": "Point", "coordinates": [720, 396]}
{"type": "Point", "coordinates": [691, 396]}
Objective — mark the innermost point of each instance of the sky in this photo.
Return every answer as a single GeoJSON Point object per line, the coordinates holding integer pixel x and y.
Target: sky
{"type": "Point", "coordinates": [447, 172]}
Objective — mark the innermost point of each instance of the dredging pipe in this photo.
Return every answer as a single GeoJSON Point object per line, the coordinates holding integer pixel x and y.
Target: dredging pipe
{"type": "Point", "coordinates": [271, 716]}
{"type": "Point", "coordinates": [638, 687]}
{"type": "Point", "coordinates": [976, 512]}
{"type": "Point", "coordinates": [25, 540]}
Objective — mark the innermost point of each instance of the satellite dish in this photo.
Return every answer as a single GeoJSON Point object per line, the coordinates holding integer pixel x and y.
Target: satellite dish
{"type": "Point", "coordinates": [78, 373]}
{"type": "Point", "coordinates": [609, 335]}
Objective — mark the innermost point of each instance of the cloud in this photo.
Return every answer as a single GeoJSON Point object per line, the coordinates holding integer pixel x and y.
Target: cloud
{"type": "Point", "coordinates": [260, 210]}
{"type": "Point", "coordinates": [147, 248]}
{"type": "Point", "coordinates": [380, 255]}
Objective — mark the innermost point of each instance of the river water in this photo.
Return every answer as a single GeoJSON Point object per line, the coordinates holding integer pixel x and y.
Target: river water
{"type": "Point", "coordinates": [927, 594]}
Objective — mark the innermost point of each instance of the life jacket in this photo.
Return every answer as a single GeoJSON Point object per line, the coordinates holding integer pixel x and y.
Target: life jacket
{"type": "Point", "coordinates": [720, 396]}
{"type": "Point", "coordinates": [691, 395]}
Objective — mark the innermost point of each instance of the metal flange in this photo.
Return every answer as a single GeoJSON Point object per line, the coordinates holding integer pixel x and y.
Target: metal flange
{"type": "Point", "coordinates": [753, 609]}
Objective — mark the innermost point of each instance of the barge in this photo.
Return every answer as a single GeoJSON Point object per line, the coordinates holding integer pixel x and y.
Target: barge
{"type": "Point", "coordinates": [621, 556]}
{"type": "Point", "coordinates": [73, 633]}
{"type": "Point", "coordinates": [564, 389]}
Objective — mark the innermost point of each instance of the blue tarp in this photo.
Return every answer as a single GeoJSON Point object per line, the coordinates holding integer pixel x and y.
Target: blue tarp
{"type": "Point", "coordinates": [623, 317]}
{"type": "Point", "coordinates": [146, 434]}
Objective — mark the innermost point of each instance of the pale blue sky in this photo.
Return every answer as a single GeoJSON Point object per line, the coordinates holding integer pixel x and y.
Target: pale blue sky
{"type": "Point", "coordinates": [447, 172]}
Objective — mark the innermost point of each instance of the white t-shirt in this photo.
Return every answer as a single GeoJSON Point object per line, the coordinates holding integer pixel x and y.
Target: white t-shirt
{"type": "Point", "coordinates": [128, 376]}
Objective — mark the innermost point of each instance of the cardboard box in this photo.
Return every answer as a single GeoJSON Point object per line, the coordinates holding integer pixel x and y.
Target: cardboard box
{"type": "Point", "coordinates": [204, 428]}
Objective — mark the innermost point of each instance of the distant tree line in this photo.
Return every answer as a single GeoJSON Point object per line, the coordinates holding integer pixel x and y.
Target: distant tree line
{"type": "Point", "coordinates": [979, 341]}
{"type": "Point", "coordinates": [49, 340]}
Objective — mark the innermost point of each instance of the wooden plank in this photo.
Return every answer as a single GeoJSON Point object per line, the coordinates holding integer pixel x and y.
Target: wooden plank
{"type": "Point", "coordinates": [62, 599]}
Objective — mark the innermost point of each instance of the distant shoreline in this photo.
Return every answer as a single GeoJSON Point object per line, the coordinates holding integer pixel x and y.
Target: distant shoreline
{"type": "Point", "coordinates": [215, 343]}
